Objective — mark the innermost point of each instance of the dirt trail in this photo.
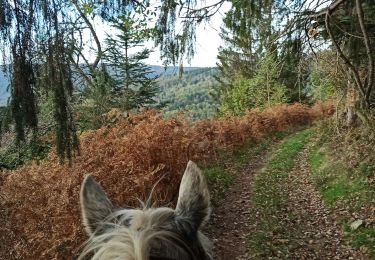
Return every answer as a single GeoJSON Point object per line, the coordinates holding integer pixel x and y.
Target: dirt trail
{"type": "Point", "coordinates": [313, 232]}
{"type": "Point", "coordinates": [230, 221]}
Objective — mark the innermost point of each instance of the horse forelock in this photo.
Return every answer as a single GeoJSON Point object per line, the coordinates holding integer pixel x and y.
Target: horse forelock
{"type": "Point", "coordinates": [131, 234]}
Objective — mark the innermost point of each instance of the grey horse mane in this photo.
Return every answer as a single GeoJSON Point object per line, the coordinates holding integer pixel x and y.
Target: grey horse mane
{"type": "Point", "coordinates": [121, 242]}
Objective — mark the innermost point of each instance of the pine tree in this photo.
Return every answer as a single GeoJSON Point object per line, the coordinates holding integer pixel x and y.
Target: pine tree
{"type": "Point", "coordinates": [134, 86]}
{"type": "Point", "coordinates": [262, 90]}
{"type": "Point", "coordinates": [252, 30]}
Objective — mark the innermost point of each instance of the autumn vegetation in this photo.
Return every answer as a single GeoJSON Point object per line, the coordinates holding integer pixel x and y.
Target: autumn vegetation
{"type": "Point", "coordinates": [109, 114]}
{"type": "Point", "coordinates": [40, 200]}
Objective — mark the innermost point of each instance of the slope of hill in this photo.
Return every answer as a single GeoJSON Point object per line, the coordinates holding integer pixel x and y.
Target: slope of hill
{"type": "Point", "coordinates": [191, 93]}
{"type": "Point", "coordinates": [169, 70]}
{"type": "Point", "coordinates": [168, 75]}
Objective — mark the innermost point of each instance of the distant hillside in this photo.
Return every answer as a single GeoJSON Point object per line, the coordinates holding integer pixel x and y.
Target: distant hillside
{"type": "Point", "coordinates": [156, 70]}
{"type": "Point", "coordinates": [169, 70]}
{"type": "Point", "coordinates": [190, 93]}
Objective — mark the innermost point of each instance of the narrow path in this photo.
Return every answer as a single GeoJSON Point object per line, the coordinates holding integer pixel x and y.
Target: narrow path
{"type": "Point", "coordinates": [230, 222]}
{"type": "Point", "coordinates": [310, 230]}
{"type": "Point", "coordinates": [315, 234]}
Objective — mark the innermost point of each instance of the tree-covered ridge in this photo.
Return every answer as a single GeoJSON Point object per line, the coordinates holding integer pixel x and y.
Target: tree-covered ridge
{"type": "Point", "coordinates": [45, 44]}
{"type": "Point", "coordinates": [192, 92]}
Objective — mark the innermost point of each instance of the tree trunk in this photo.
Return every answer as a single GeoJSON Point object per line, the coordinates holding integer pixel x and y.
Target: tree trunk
{"type": "Point", "coordinates": [352, 100]}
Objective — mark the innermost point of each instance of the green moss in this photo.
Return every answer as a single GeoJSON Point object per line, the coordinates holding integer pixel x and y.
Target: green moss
{"type": "Point", "coordinates": [316, 158]}
{"type": "Point", "coordinates": [338, 182]}
{"type": "Point", "coordinates": [218, 180]}
{"type": "Point", "coordinates": [362, 237]}
{"type": "Point", "coordinates": [366, 169]}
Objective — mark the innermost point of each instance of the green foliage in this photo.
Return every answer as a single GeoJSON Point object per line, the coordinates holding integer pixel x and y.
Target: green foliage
{"type": "Point", "coordinates": [99, 94]}
{"type": "Point", "coordinates": [250, 38]}
{"type": "Point", "coordinates": [97, 99]}
{"type": "Point", "coordinates": [343, 28]}
{"type": "Point", "coordinates": [59, 78]}
{"type": "Point", "coordinates": [321, 85]}
{"type": "Point", "coordinates": [5, 120]}
{"type": "Point", "coordinates": [134, 87]}
{"type": "Point", "coordinates": [240, 97]}
{"type": "Point", "coordinates": [15, 155]}
{"type": "Point", "coordinates": [334, 180]}
{"type": "Point", "coordinates": [263, 90]}
{"type": "Point", "coordinates": [340, 184]}
{"type": "Point", "coordinates": [190, 93]}
{"type": "Point", "coordinates": [87, 9]}
{"type": "Point", "coordinates": [23, 107]}
{"type": "Point", "coordinates": [367, 169]}
{"type": "Point", "coordinates": [362, 237]}
{"type": "Point", "coordinates": [268, 196]}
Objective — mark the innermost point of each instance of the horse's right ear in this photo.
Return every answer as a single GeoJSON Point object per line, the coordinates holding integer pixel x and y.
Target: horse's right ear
{"type": "Point", "coordinates": [95, 205]}
{"type": "Point", "coordinates": [193, 204]}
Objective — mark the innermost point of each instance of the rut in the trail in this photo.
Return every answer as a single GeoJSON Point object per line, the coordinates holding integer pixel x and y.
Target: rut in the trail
{"type": "Point", "coordinates": [230, 221]}
{"type": "Point", "coordinates": [315, 233]}
{"type": "Point", "coordinates": [312, 231]}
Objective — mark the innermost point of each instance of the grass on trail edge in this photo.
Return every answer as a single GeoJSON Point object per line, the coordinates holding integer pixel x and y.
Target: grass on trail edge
{"type": "Point", "coordinates": [268, 198]}
{"type": "Point", "coordinates": [338, 184]}
{"type": "Point", "coordinates": [221, 174]}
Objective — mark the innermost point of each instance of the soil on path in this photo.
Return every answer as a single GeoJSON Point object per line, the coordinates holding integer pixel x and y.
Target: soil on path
{"type": "Point", "coordinates": [230, 221]}
{"type": "Point", "coordinates": [314, 233]}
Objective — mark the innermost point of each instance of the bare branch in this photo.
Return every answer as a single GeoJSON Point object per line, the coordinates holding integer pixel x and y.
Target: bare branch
{"type": "Point", "coordinates": [92, 30]}
{"type": "Point", "coordinates": [80, 71]}
{"type": "Point", "coordinates": [341, 54]}
{"type": "Point", "coordinates": [202, 13]}
{"type": "Point", "coordinates": [331, 8]}
{"type": "Point", "coordinates": [370, 71]}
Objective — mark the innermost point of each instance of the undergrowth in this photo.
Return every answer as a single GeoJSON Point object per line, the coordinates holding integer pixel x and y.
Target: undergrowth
{"type": "Point", "coordinates": [268, 198]}
{"type": "Point", "coordinates": [14, 155]}
{"type": "Point", "coordinates": [127, 158]}
{"type": "Point", "coordinates": [346, 184]}
{"type": "Point", "coordinates": [221, 172]}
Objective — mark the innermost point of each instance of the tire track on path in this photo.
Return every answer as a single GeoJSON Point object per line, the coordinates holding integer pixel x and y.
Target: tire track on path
{"type": "Point", "coordinates": [230, 221]}
{"type": "Point", "coordinates": [315, 232]}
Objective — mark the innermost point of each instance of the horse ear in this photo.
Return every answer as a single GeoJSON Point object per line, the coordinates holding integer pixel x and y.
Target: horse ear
{"type": "Point", "coordinates": [95, 205]}
{"type": "Point", "coordinates": [193, 202]}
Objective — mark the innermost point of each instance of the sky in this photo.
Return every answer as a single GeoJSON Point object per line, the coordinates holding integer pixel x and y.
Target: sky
{"type": "Point", "coordinates": [208, 40]}
{"type": "Point", "coordinates": [208, 43]}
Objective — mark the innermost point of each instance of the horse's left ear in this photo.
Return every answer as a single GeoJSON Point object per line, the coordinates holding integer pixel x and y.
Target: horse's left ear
{"type": "Point", "coordinates": [95, 205]}
{"type": "Point", "coordinates": [193, 202]}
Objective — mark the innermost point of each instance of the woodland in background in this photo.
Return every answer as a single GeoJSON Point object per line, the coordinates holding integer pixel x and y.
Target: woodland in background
{"type": "Point", "coordinates": [191, 93]}
{"type": "Point", "coordinates": [275, 52]}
